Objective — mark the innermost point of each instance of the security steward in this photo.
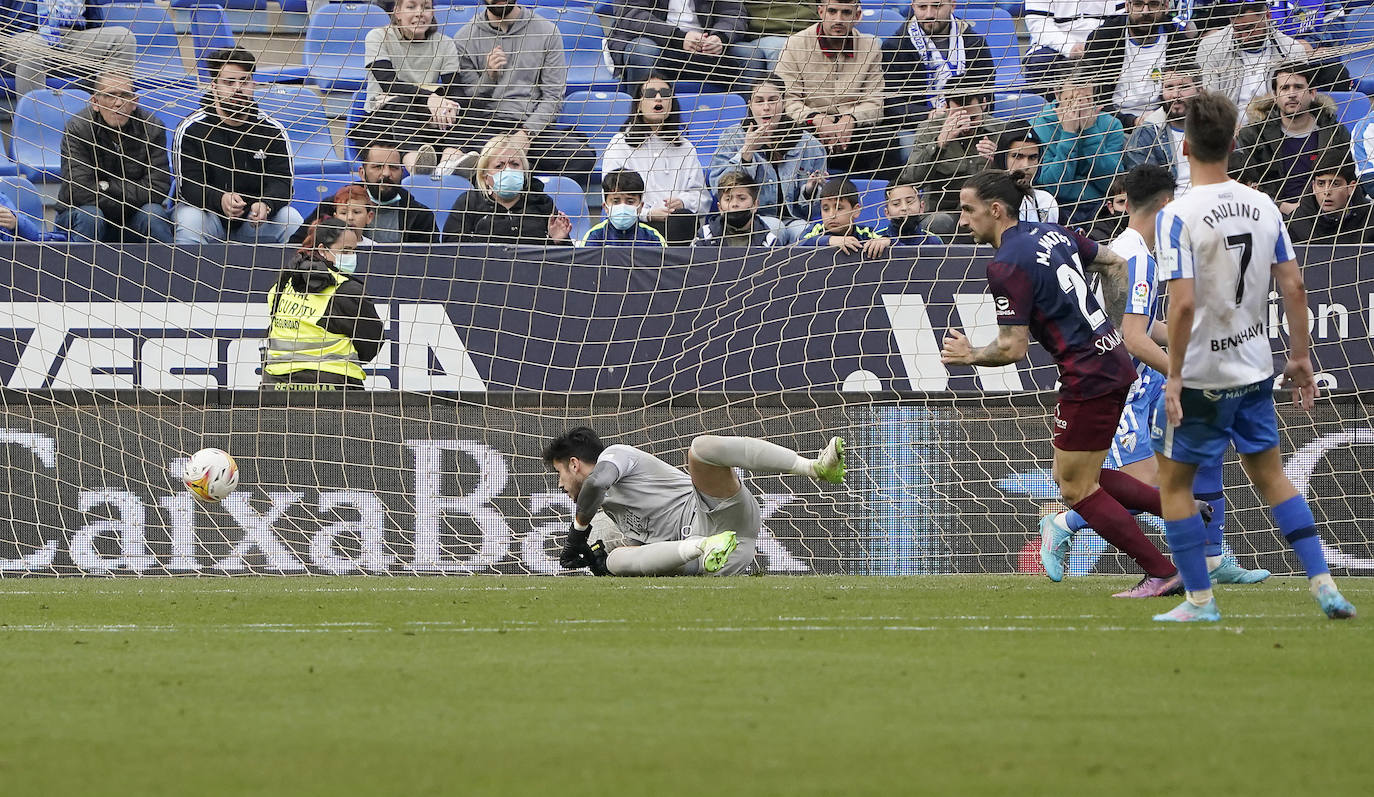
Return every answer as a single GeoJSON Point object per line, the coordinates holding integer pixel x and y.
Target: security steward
{"type": "Point", "coordinates": [323, 327]}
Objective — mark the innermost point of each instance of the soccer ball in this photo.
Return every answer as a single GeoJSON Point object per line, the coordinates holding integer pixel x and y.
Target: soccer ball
{"type": "Point", "coordinates": [211, 474]}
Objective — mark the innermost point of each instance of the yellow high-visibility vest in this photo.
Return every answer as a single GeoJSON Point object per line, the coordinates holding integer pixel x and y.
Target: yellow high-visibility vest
{"type": "Point", "coordinates": [297, 342]}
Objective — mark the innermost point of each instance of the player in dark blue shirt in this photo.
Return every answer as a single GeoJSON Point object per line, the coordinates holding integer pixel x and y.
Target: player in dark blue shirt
{"type": "Point", "coordinates": [1039, 287]}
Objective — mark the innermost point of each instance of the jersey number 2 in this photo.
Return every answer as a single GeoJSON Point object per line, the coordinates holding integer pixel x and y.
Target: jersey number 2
{"type": "Point", "coordinates": [1071, 281]}
{"type": "Point", "coordinates": [1245, 242]}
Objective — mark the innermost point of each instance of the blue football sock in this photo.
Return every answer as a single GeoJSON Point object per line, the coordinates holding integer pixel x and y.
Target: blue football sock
{"type": "Point", "coordinates": [1186, 538]}
{"type": "Point", "coordinates": [1296, 524]}
{"type": "Point", "coordinates": [1207, 487]}
{"type": "Point", "coordinates": [1074, 521]}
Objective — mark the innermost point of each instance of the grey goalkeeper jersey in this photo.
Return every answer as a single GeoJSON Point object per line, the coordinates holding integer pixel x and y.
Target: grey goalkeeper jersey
{"type": "Point", "coordinates": [651, 501]}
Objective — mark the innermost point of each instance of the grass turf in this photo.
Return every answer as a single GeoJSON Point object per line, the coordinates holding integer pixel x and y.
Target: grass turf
{"type": "Point", "coordinates": [797, 686]}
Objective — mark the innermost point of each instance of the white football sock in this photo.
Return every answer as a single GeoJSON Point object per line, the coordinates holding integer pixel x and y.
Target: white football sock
{"type": "Point", "coordinates": [654, 559]}
{"type": "Point", "coordinates": [1213, 562]}
{"type": "Point", "coordinates": [1200, 598]}
{"type": "Point", "coordinates": [752, 454]}
{"type": "Point", "coordinates": [1317, 582]}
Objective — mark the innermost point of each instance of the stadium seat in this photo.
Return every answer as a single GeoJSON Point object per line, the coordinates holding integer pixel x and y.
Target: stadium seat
{"type": "Point", "coordinates": [1361, 137]}
{"type": "Point", "coordinates": [157, 61]}
{"type": "Point", "coordinates": [356, 111]}
{"type": "Point", "coordinates": [210, 31]}
{"type": "Point", "coordinates": [39, 119]}
{"type": "Point", "coordinates": [1017, 107]}
{"type": "Point", "coordinates": [333, 50]}
{"type": "Point", "coordinates": [711, 115]}
{"type": "Point", "coordinates": [583, 48]}
{"type": "Point", "coordinates": [572, 200]}
{"type": "Point", "coordinates": [1359, 23]}
{"type": "Point", "coordinates": [309, 190]}
{"type": "Point", "coordinates": [997, 27]}
{"type": "Point", "coordinates": [880, 22]}
{"type": "Point", "coordinates": [171, 105]}
{"type": "Point", "coordinates": [1351, 107]}
{"type": "Point", "coordinates": [8, 168]}
{"type": "Point", "coordinates": [873, 198]}
{"type": "Point", "coordinates": [294, 16]}
{"type": "Point", "coordinates": [598, 115]}
{"type": "Point", "coordinates": [241, 16]}
{"type": "Point", "coordinates": [24, 195]}
{"type": "Point", "coordinates": [300, 111]}
{"type": "Point", "coordinates": [452, 18]}
{"type": "Point", "coordinates": [437, 193]}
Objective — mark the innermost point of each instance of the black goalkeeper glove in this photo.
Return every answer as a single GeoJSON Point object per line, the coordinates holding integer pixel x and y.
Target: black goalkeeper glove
{"type": "Point", "coordinates": [576, 553]}
{"type": "Point", "coordinates": [598, 561]}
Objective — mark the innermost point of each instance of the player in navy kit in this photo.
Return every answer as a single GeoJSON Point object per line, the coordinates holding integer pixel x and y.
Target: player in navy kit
{"type": "Point", "coordinates": [1038, 283]}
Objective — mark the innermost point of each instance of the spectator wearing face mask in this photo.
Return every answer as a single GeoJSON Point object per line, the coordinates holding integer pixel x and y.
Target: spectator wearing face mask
{"type": "Point", "coordinates": [324, 327]}
{"type": "Point", "coordinates": [623, 193]}
{"type": "Point", "coordinates": [507, 205]}
{"type": "Point", "coordinates": [738, 223]}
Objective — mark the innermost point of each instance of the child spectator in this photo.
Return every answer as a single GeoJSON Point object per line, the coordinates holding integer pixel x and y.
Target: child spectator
{"type": "Point", "coordinates": [399, 218]}
{"type": "Point", "coordinates": [623, 194]}
{"type": "Point", "coordinates": [1336, 210]}
{"type": "Point", "coordinates": [904, 208]}
{"type": "Point", "coordinates": [652, 144]}
{"type": "Point", "coordinates": [838, 226]}
{"type": "Point", "coordinates": [1111, 217]}
{"type": "Point", "coordinates": [354, 207]}
{"type": "Point", "coordinates": [1018, 150]}
{"type": "Point", "coordinates": [738, 223]}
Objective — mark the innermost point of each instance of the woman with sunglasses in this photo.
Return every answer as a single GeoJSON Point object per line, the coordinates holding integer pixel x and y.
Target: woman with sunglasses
{"type": "Point", "coordinates": [652, 143]}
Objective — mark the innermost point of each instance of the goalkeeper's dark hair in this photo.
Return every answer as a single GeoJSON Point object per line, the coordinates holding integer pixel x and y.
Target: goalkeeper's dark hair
{"type": "Point", "coordinates": [1145, 184]}
{"type": "Point", "coordinates": [1000, 185]}
{"type": "Point", "coordinates": [841, 188]}
{"type": "Point", "coordinates": [580, 441]}
{"type": "Point", "coordinates": [622, 181]}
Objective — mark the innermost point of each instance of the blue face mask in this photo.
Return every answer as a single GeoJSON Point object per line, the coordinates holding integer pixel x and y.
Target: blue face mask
{"type": "Point", "coordinates": [623, 217]}
{"type": "Point", "coordinates": [346, 262]}
{"type": "Point", "coordinates": [508, 183]}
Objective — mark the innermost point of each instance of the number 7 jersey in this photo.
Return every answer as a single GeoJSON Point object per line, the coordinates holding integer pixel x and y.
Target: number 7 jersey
{"type": "Point", "coordinates": [1037, 281]}
{"type": "Point", "coordinates": [1226, 237]}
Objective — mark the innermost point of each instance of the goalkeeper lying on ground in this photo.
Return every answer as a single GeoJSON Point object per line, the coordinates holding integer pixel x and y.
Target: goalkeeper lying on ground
{"type": "Point", "coordinates": [672, 523]}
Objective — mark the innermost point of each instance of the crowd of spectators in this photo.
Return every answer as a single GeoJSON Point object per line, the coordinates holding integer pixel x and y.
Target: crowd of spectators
{"type": "Point", "coordinates": [826, 104]}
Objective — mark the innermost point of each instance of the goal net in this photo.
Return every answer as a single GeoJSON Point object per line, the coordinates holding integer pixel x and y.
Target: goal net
{"type": "Point", "coordinates": [500, 328]}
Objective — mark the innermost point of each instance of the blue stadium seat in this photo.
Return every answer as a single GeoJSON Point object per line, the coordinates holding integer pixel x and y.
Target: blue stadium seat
{"type": "Point", "coordinates": [997, 27]}
{"type": "Point", "coordinates": [880, 22]}
{"type": "Point", "coordinates": [1351, 107]}
{"type": "Point", "coordinates": [157, 60]}
{"type": "Point", "coordinates": [1364, 158]}
{"type": "Point", "coordinates": [294, 16]}
{"type": "Point", "coordinates": [172, 104]}
{"type": "Point", "coordinates": [334, 41]}
{"type": "Point", "coordinates": [873, 198]}
{"type": "Point", "coordinates": [24, 196]}
{"type": "Point", "coordinates": [598, 115]}
{"type": "Point", "coordinates": [1360, 61]}
{"type": "Point", "coordinates": [240, 16]}
{"type": "Point", "coordinates": [300, 111]}
{"type": "Point", "coordinates": [39, 120]}
{"type": "Point", "coordinates": [210, 31]}
{"type": "Point", "coordinates": [8, 168]}
{"type": "Point", "coordinates": [1018, 107]}
{"type": "Point", "coordinates": [437, 194]}
{"type": "Point", "coordinates": [583, 38]}
{"type": "Point", "coordinates": [572, 200]}
{"type": "Point", "coordinates": [452, 18]}
{"type": "Point", "coordinates": [309, 190]}
{"type": "Point", "coordinates": [356, 112]}
{"type": "Point", "coordinates": [711, 115]}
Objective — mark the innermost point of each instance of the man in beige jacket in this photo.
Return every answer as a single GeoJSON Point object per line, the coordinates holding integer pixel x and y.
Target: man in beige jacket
{"type": "Point", "coordinates": [834, 80]}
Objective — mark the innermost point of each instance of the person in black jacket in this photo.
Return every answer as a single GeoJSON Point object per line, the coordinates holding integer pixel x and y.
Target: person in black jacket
{"type": "Point", "coordinates": [115, 174]}
{"type": "Point", "coordinates": [324, 327]}
{"type": "Point", "coordinates": [646, 36]}
{"type": "Point", "coordinates": [400, 217]}
{"type": "Point", "coordinates": [233, 163]}
{"type": "Point", "coordinates": [1336, 210]}
{"type": "Point", "coordinates": [508, 205]}
{"type": "Point", "coordinates": [921, 58]}
{"type": "Point", "coordinates": [1124, 58]}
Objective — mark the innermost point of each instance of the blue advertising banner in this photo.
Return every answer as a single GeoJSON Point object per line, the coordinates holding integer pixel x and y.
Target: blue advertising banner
{"type": "Point", "coordinates": [559, 319]}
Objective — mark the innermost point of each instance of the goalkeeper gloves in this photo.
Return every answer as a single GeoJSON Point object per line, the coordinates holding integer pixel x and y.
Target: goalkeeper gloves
{"type": "Point", "coordinates": [576, 553]}
{"type": "Point", "coordinates": [598, 559]}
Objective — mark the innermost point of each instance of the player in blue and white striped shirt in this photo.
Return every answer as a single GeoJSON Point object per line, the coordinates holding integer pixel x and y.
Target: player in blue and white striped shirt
{"type": "Point", "coordinates": [1218, 247]}
{"type": "Point", "coordinates": [1148, 188]}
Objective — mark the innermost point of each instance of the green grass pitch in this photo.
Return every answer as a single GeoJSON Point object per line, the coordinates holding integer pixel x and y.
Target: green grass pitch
{"type": "Point", "coordinates": [753, 686]}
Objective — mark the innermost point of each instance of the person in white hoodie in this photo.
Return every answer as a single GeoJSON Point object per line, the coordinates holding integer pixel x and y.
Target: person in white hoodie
{"type": "Point", "coordinates": [653, 144]}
